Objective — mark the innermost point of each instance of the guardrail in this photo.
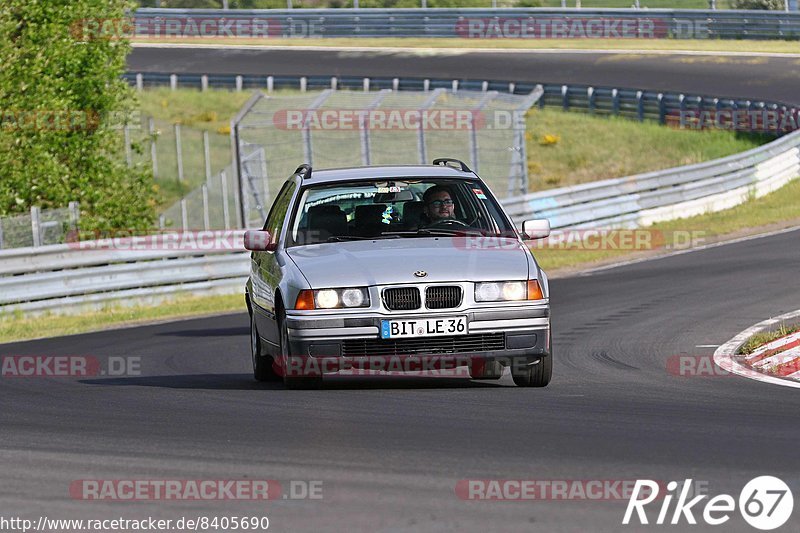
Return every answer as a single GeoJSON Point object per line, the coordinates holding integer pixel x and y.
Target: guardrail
{"type": "Point", "coordinates": [474, 23]}
{"type": "Point", "coordinates": [643, 199]}
{"type": "Point", "coordinates": [93, 274]}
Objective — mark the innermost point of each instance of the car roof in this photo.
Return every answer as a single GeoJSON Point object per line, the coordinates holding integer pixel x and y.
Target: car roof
{"type": "Point", "coordinates": [333, 175]}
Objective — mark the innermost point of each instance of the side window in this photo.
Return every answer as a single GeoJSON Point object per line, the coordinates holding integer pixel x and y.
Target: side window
{"type": "Point", "coordinates": [278, 213]}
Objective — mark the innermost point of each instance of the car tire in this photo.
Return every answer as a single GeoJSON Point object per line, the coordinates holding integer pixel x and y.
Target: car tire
{"type": "Point", "coordinates": [262, 364]}
{"type": "Point", "coordinates": [535, 375]}
{"type": "Point", "coordinates": [293, 382]}
{"type": "Point", "coordinates": [486, 370]}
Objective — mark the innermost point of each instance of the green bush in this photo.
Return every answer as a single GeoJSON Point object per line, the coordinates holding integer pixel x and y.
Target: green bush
{"type": "Point", "coordinates": [61, 94]}
{"type": "Point", "coordinates": [759, 4]}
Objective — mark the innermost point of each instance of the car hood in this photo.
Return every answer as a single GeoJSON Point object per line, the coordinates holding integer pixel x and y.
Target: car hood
{"type": "Point", "coordinates": [388, 261]}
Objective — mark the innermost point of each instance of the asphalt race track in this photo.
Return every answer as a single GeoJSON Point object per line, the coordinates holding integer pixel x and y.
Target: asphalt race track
{"type": "Point", "coordinates": [390, 451]}
{"type": "Point", "coordinates": [724, 76]}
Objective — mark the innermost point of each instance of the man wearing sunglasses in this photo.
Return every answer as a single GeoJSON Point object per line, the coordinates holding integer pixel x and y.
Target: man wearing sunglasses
{"type": "Point", "coordinates": [438, 204]}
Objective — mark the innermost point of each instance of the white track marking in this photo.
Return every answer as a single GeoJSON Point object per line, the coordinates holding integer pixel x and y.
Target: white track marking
{"type": "Point", "coordinates": [462, 51]}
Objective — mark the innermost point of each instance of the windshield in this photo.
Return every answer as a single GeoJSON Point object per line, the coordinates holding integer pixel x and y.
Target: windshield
{"type": "Point", "coordinates": [395, 208]}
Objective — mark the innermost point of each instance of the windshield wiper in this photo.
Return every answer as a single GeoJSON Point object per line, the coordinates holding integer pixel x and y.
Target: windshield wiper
{"type": "Point", "coordinates": [425, 233]}
{"type": "Point", "coordinates": [342, 238]}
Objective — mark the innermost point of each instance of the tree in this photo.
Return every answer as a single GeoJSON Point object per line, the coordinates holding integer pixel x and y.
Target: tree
{"type": "Point", "coordinates": [61, 93]}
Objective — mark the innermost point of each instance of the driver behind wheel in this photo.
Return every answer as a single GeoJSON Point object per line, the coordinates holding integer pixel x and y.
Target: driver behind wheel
{"type": "Point", "coordinates": [438, 204]}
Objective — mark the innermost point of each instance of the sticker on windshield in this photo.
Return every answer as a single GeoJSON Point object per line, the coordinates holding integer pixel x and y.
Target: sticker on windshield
{"type": "Point", "coordinates": [386, 216]}
{"type": "Point", "coordinates": [479, 193]}
{"type": "Point", "coordinates": [393, 188]}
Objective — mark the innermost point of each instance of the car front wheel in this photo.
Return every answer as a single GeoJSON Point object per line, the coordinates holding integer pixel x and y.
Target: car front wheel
{"type": "Point", "coordinates": [262, 364]}
{"type": "Point", "coordinates": [535, 375]}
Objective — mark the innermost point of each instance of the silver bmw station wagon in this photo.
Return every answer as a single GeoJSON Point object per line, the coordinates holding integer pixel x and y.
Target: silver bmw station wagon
{"type": "Point", "coordinates": [395, 269]}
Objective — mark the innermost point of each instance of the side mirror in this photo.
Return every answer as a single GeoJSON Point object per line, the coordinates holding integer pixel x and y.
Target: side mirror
{"type": "Point", "coordinates": [258, 241]}
{"type": "Point", "coordinates": [536, 229]}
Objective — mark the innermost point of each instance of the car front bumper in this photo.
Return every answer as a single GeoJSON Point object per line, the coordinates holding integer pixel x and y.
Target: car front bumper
{"type": "Point", "coordinates": [330, 343]}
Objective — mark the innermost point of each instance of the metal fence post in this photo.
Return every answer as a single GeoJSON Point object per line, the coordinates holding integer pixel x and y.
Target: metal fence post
{"type": "Point", "coordinates": [565, 97]}
{"type": "Point", "coordinates": [682, 108]}
{"type": "Point", "coordinates": [173, 81]}
{"type": "Point", "coordinates": [265, 175]}
{"type": "Point", "coordinates": [303, 84]}
{"type": "Point", "coordinates": [614, 101]}
{"type": "Point", "coordinates": [237, 169]}
{"type": "Point", "coordinates": [179, 151]}
{"type": "Point", "coordinates": [74, 215]}
{"type": "Point", "coordinates": [639, 106]}
{"type": "Point", "coordinates": [153, 149]}
{"type": "Point", "coordinates": [270, 83]}
{"type": "Point", "coordinates": [226, 217]}
{"type": "Point", "coordinates": [590, 96]}
{"type": "Point", "coordinates": [239, 83]}
{"type": "Point", "coordinates": [207, 155]}
{"type": "Point", "coordinates": [36, 228]}
{"type": "Point", "coordinates": [662, 111]}
{"type": "Point", "coordinates": [206, 220]}
{"type": "Point", "coordinates": [184, 215]}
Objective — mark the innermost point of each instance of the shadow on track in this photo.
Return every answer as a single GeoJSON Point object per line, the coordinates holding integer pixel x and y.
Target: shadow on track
{"type": "Point", "coordinates": [246, 382]}
{"type": "Point", "coordinates": [218, 332]}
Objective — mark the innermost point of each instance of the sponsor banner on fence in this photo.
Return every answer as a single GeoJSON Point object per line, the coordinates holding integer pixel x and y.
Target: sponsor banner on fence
{"type": "Point", "coordinates": [562, 28]}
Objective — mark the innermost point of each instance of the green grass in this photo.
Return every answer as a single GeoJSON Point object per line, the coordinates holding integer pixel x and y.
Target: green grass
{"type": "Point", "coordinates": [760, 339]}
{"type": "Point", "coordinates": [702, 45]}
{"type": "Point", "coordinates": [16, 327]}
{"type": "Point", "coordinates": [781, 206]}
{"type": "Point", "coordinates": [586, 148]}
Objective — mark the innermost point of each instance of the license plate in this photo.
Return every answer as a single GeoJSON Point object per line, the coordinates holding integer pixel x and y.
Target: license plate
{"type": "Point", "coordinates": [423, 327]}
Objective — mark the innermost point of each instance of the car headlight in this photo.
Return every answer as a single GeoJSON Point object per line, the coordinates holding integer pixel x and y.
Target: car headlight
{"type": "Point", "coordinates": [332, 298]}
{"type": "Point", "coordinates": [508, 291]}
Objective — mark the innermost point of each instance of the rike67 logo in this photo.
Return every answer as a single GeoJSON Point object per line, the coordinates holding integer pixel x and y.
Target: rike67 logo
{"type": "Point", "coordinates": [765, 503]}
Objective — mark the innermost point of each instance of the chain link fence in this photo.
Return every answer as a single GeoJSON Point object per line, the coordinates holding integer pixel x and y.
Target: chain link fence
{"type": "Point", "coordinates": [331, 129]}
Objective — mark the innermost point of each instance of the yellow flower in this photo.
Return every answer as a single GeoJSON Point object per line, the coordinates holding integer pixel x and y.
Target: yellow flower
{"type": "Point", "coordinates": [549, 139]}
